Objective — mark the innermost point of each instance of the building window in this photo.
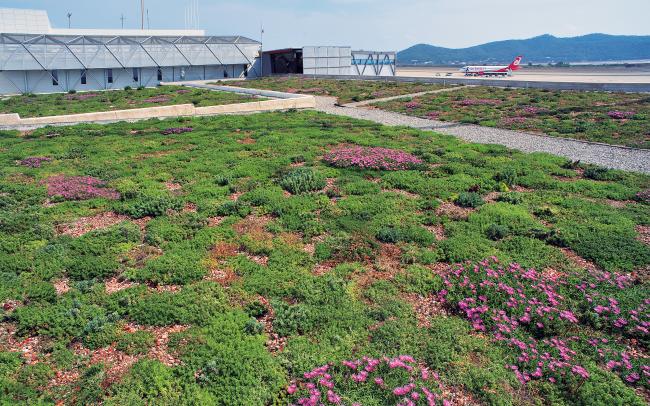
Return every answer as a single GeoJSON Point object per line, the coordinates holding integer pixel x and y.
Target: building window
{"type": "Point", "coordinates": [136, 77]}
{"type": "Point", "coordinates": [109, 75]}
{"type": "Point", "coordinates": [84, 80]}
{"type": "Point", "coordinates": [55, 78]}
{"type": "Point", "coordinates": [160, 77]}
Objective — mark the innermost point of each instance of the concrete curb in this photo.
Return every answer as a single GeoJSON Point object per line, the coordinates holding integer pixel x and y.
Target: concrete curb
{"type": "Point", "coordinates": [180, 110]}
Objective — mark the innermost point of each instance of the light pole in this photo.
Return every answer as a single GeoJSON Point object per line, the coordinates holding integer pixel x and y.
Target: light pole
{"type": "Point", "coordinates": [262, 50]}
{"type": "Point", "coordinates": [142, 13]}
{"type": "Point", "coordinates": [69, 19]}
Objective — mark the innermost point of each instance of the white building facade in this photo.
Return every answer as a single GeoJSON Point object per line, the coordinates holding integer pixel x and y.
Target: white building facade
{"type": "Point", "coordinates": [35, 58]}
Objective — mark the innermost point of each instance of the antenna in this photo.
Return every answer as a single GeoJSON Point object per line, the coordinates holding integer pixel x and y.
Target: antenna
{"type": "Point", "coordinates": [122, 19]}
{"type": "Point", "coordinates": [142, 12]}
{"type": "Point", "coordinates": [69, 19]}
{"type": "Point", "coordinates": [148, 21]}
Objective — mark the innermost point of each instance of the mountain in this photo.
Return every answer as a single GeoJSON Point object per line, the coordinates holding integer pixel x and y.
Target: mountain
{"type": "Point", "coordinates": [542, 49]}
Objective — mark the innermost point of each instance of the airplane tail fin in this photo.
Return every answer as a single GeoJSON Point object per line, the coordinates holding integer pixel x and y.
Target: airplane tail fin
{"type": "Point", "coordinates": [515, 65]}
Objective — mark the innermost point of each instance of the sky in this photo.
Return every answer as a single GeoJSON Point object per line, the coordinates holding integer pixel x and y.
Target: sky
{"type": "Point", "coordinates": [365, 24]}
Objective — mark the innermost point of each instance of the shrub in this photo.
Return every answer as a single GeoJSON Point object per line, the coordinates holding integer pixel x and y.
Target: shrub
{"type": "Point", "coordinates": [40, 291]}
{"type": "Point", "coordinates": [147, 382]}
{"type": "Point", "coordinates": [598, 173]}
{"type": "Point", "coordinates": [253, 327]}
{"type": "Point", "coordinates": [153, 206]}
{"type": "Point", "coordinates": [389, 235]}
{"type": "Point", "coordinates": [511, 198]}
{"type": "Point", "coordinates": [195, 304]}
{"type": "Point", "coordinates": [469, 199]}
{"type": "Point", "coordinates": [233, 208]}
{"type": "Point", "coordinates": [497, 231]}
{"type": "Point", "coordinates": [302, 180]}
{"type": "Point", "coordinates": [290, 319]}
{"type": "Point", "coordinates": [507, 176]}
{"type": "Point", "coordinates": [174, 267]}
{"type": "Point", "coordinates": [87, 267]}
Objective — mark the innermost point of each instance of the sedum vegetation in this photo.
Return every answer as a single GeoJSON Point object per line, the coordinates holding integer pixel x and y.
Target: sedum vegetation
{"type": "Point", "coordinates": [612, 118]}
{"type": "Point", "coordinates": [43, 105]}
{"type": "Point", "coordinates": [233, 264]}
{"type": "Point", "coordinates": [346, 91]}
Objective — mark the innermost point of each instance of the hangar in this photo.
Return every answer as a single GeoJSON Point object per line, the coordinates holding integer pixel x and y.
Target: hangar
{"type": "Point", "coordinates": [36, 58]}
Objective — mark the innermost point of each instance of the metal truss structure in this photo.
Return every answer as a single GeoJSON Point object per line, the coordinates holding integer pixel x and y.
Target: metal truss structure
{"type": "Point", "coordinates": [32, 52]}
{"type": "Point", "coordinates": [362, 60]}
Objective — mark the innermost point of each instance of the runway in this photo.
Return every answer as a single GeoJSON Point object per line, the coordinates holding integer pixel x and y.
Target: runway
{"type": "Point", "coordinates": [578, 74]}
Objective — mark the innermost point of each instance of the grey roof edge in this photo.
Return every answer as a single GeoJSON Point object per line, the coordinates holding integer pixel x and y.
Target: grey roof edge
{"type": "Point", "coordinates": [211, 39]}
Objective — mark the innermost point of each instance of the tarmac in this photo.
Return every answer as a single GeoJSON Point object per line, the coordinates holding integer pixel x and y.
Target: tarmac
{"type": "Point", "coordinates": [590, 74]}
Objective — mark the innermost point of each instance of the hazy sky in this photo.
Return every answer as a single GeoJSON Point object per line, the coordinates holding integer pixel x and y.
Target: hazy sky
{"type": "Point", "coordinates": [367, 24]}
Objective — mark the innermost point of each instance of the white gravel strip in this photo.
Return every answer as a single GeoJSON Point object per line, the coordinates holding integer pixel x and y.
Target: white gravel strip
{"type": "Point", "coordinates": [609, 156]}
{"type": "Point", "coordinates": [403, 96]}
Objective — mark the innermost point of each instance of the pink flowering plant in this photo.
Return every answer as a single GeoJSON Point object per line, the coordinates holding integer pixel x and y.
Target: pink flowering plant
{"type": "Point", "coordinates": [542, 319]}
{"type": "Point", "coordinates": [514, 121]}
{"type": "Point", "coordinates": [399, 380]}
{"type": "Point", "coordinates": [621, 115]}
{"type": "Point", "coordinates": [372, 158]}
{"type": "Point", "coordinates": [480, 102]}
{"type": "Point", "coordinates": [34, 161]}
{"type": "Point", "coordinates": [157, 99]}
{"type": "Point", "coordinates": [62, 187]}
{"type": "Point", "coordinates": [176, 130]}
{"type": "Point", "coordinates": [412, 105]}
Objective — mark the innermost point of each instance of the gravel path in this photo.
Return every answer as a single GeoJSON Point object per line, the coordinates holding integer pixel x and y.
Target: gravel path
{"type": "Point", "coordinates": [609, 156]}
{"type": "Point", "coordinates": [402, 96]}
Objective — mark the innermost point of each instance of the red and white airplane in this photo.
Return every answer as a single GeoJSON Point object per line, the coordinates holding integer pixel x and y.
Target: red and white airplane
{"type": "Point", "coordinates": [492, 70]}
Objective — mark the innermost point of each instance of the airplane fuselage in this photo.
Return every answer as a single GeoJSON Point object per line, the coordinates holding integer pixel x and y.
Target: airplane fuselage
{"type": "Point", "coordinates": [492, 70]}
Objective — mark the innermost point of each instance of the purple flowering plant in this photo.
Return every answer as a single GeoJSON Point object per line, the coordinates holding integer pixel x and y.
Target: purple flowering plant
{"type": "Point", "coordinates": [480, 102]}
{"type": "Point", "coordinates": [177, 130]}
{"type": "Point", "coordinates": [539, 319]}
{"type": "Point", "coordinates": [34, 161]}
{"type": "Point", "coordinates": [621, 115]}
{"type": "Point", "coordinates": [62, 187]}
{"type": "Point", "coordinates": [372, 158]}
{"type": "Point", "coordinates": [400, 380]}
{"type": "Point", "coordinates": [157, 99]}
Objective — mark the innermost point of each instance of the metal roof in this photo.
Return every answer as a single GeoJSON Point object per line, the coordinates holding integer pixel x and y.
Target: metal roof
{"type": "Point", "coordinates": [49, 52]}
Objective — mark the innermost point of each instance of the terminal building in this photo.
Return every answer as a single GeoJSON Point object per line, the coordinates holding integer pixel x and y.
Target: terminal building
{"type": "Point", "coordinates": [329, 61]}
{"type": "Point", "coordinates": [36, 58]}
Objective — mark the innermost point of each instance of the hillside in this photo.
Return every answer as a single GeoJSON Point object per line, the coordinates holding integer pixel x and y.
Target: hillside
{"type": "Point", "coordinates": [542, 49]}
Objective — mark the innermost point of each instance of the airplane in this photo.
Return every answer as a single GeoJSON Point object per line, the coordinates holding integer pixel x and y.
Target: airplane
{"type": "Point", "coordinates": [493, 70]}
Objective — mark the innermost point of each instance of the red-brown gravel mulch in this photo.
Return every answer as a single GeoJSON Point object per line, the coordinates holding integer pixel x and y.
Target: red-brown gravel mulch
{"type": "Point", "coordinates": [644, 234]}
{"type": "Point", "coordinates": [425, 308]}
{"type": "Point", "coordinates": [85, 225]}
{"type": "Point", "coordinates": [274, 342]}
{"type": "Point", "coordinates": [160, 350]}
{"type": "Point", "coordinates": [62, 286]}
{"type": "Point", "coordinates": [438, 230]}
{"type": "Point", "coordinates": [453, 212]}
{"type": "Point", "coordinates": [29, 348]}
{"type": "Point", "coordinates": [115, 285]}
{"type": "Point", "coordinates": [117, 362]}
{"type": "Point", "coordinates": [579, 261]}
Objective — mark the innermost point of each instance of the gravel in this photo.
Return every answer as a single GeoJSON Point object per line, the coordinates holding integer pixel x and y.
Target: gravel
{"type": "Point", "coordinates": [609, 156]}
